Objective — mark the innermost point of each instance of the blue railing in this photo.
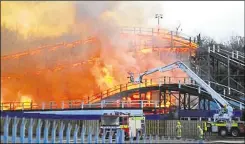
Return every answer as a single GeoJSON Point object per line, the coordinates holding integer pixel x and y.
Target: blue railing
{"type": "Point", "coordinates": [85, 136]}
{"type": "Point", "coordinates": [181, 113]}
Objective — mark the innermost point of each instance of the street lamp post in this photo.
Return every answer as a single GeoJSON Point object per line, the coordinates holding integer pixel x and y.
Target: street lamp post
{"type": "Point", "coordinates": [159, 16]}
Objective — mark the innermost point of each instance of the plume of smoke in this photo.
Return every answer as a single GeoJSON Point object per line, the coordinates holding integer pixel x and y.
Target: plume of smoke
{"type": "Point", "coordinates": [81, 20]}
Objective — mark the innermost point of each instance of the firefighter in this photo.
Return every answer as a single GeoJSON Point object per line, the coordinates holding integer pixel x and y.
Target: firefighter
{"type": "Point", "coordinates": [205, 130]}
{"type": "Point", "coordinates": [200, 133]}
{"type": "Point", "coordinates": [225, 109]}
{"type": "Point", "coordinates": [178, 129]}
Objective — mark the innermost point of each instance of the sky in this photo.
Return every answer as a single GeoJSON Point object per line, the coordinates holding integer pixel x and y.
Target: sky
{"type": "Point", "coordinates": [217, 19]}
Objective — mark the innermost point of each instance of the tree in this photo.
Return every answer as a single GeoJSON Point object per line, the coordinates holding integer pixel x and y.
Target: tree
{"type": "Point", "coordinates": [206, 41]}
{"type": "Point", "coordinates": [235, 43]}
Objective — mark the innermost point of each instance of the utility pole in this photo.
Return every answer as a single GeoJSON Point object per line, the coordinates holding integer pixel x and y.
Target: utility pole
{"type": "Point", "coordinates": [177, 29]}
{"type": "Point", "coordinates": [159, 16]}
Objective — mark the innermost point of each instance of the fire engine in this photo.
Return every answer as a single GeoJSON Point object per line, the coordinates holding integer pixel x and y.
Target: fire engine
{"type": "Point", "coordinates": [223, 128]}
{"type": "Point", "coordinates": [222, 122]}
{"type": "Point", "coordinates": [130, 124]}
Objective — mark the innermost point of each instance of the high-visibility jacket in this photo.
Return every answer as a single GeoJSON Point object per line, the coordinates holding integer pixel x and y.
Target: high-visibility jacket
{"type": "Point", "coordinates": [178, 129]}
{"type": "Point", "coordinates": [225, 110]}
{"type": "Point", "coordinates": [205, 126]}
{"type": "Point", "coordinates": [200, 133]}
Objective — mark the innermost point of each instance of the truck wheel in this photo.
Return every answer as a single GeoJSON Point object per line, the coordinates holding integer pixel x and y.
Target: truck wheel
{"type": "Point", "coordinates": [234, 132]}
{"type": "Point", "coordinates": [223, 132]}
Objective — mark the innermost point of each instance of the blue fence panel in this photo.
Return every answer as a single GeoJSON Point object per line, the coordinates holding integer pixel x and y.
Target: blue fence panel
{"type": "Point", "coordinates": [61, 130]}
{"type": "Point", "coordinates": [110, 136]}
{"type": "Point", "coordinates": [103, 136]}
{"type": "Point", "coordinates": [68, 133]}
{"type": "Point", "coordinates": [38, 131]}
{"type": "Point", "coordinates": [46, 131]}
{"type": "Point", "coordinates": [119, 136]}
{"type": "Point", "coordinates": [54, 132]}
{"type": "Point", "coordinates": [14, 129]}
{"type": "Point", "coordinates": [6, 128]}
{"type": "Point", "coordinates": [22, 130]}
{"type": "Point", "coordinates": [75, 133]}
{"type": "Point", "coordinates": [30, 129]}
{"type": "Point", "coordinates": [89, 135]}
{"type": "Point", "coordinates": [83, 134]}
{"type": "Point", "coordinates": [20, 114]}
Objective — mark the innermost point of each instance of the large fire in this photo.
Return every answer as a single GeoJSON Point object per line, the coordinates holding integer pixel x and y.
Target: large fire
{"type": "Point", "coordinates": [68, 70]}
{"type": "Point", "coordinates": [38, 18]}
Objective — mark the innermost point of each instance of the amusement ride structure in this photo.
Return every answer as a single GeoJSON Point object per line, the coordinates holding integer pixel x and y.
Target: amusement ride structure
{"type": "Point", "coordinates": [158, 93]}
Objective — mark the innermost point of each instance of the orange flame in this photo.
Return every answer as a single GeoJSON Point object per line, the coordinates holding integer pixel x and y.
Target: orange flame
{"type": "Point", "coordinates": [78, 69]}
